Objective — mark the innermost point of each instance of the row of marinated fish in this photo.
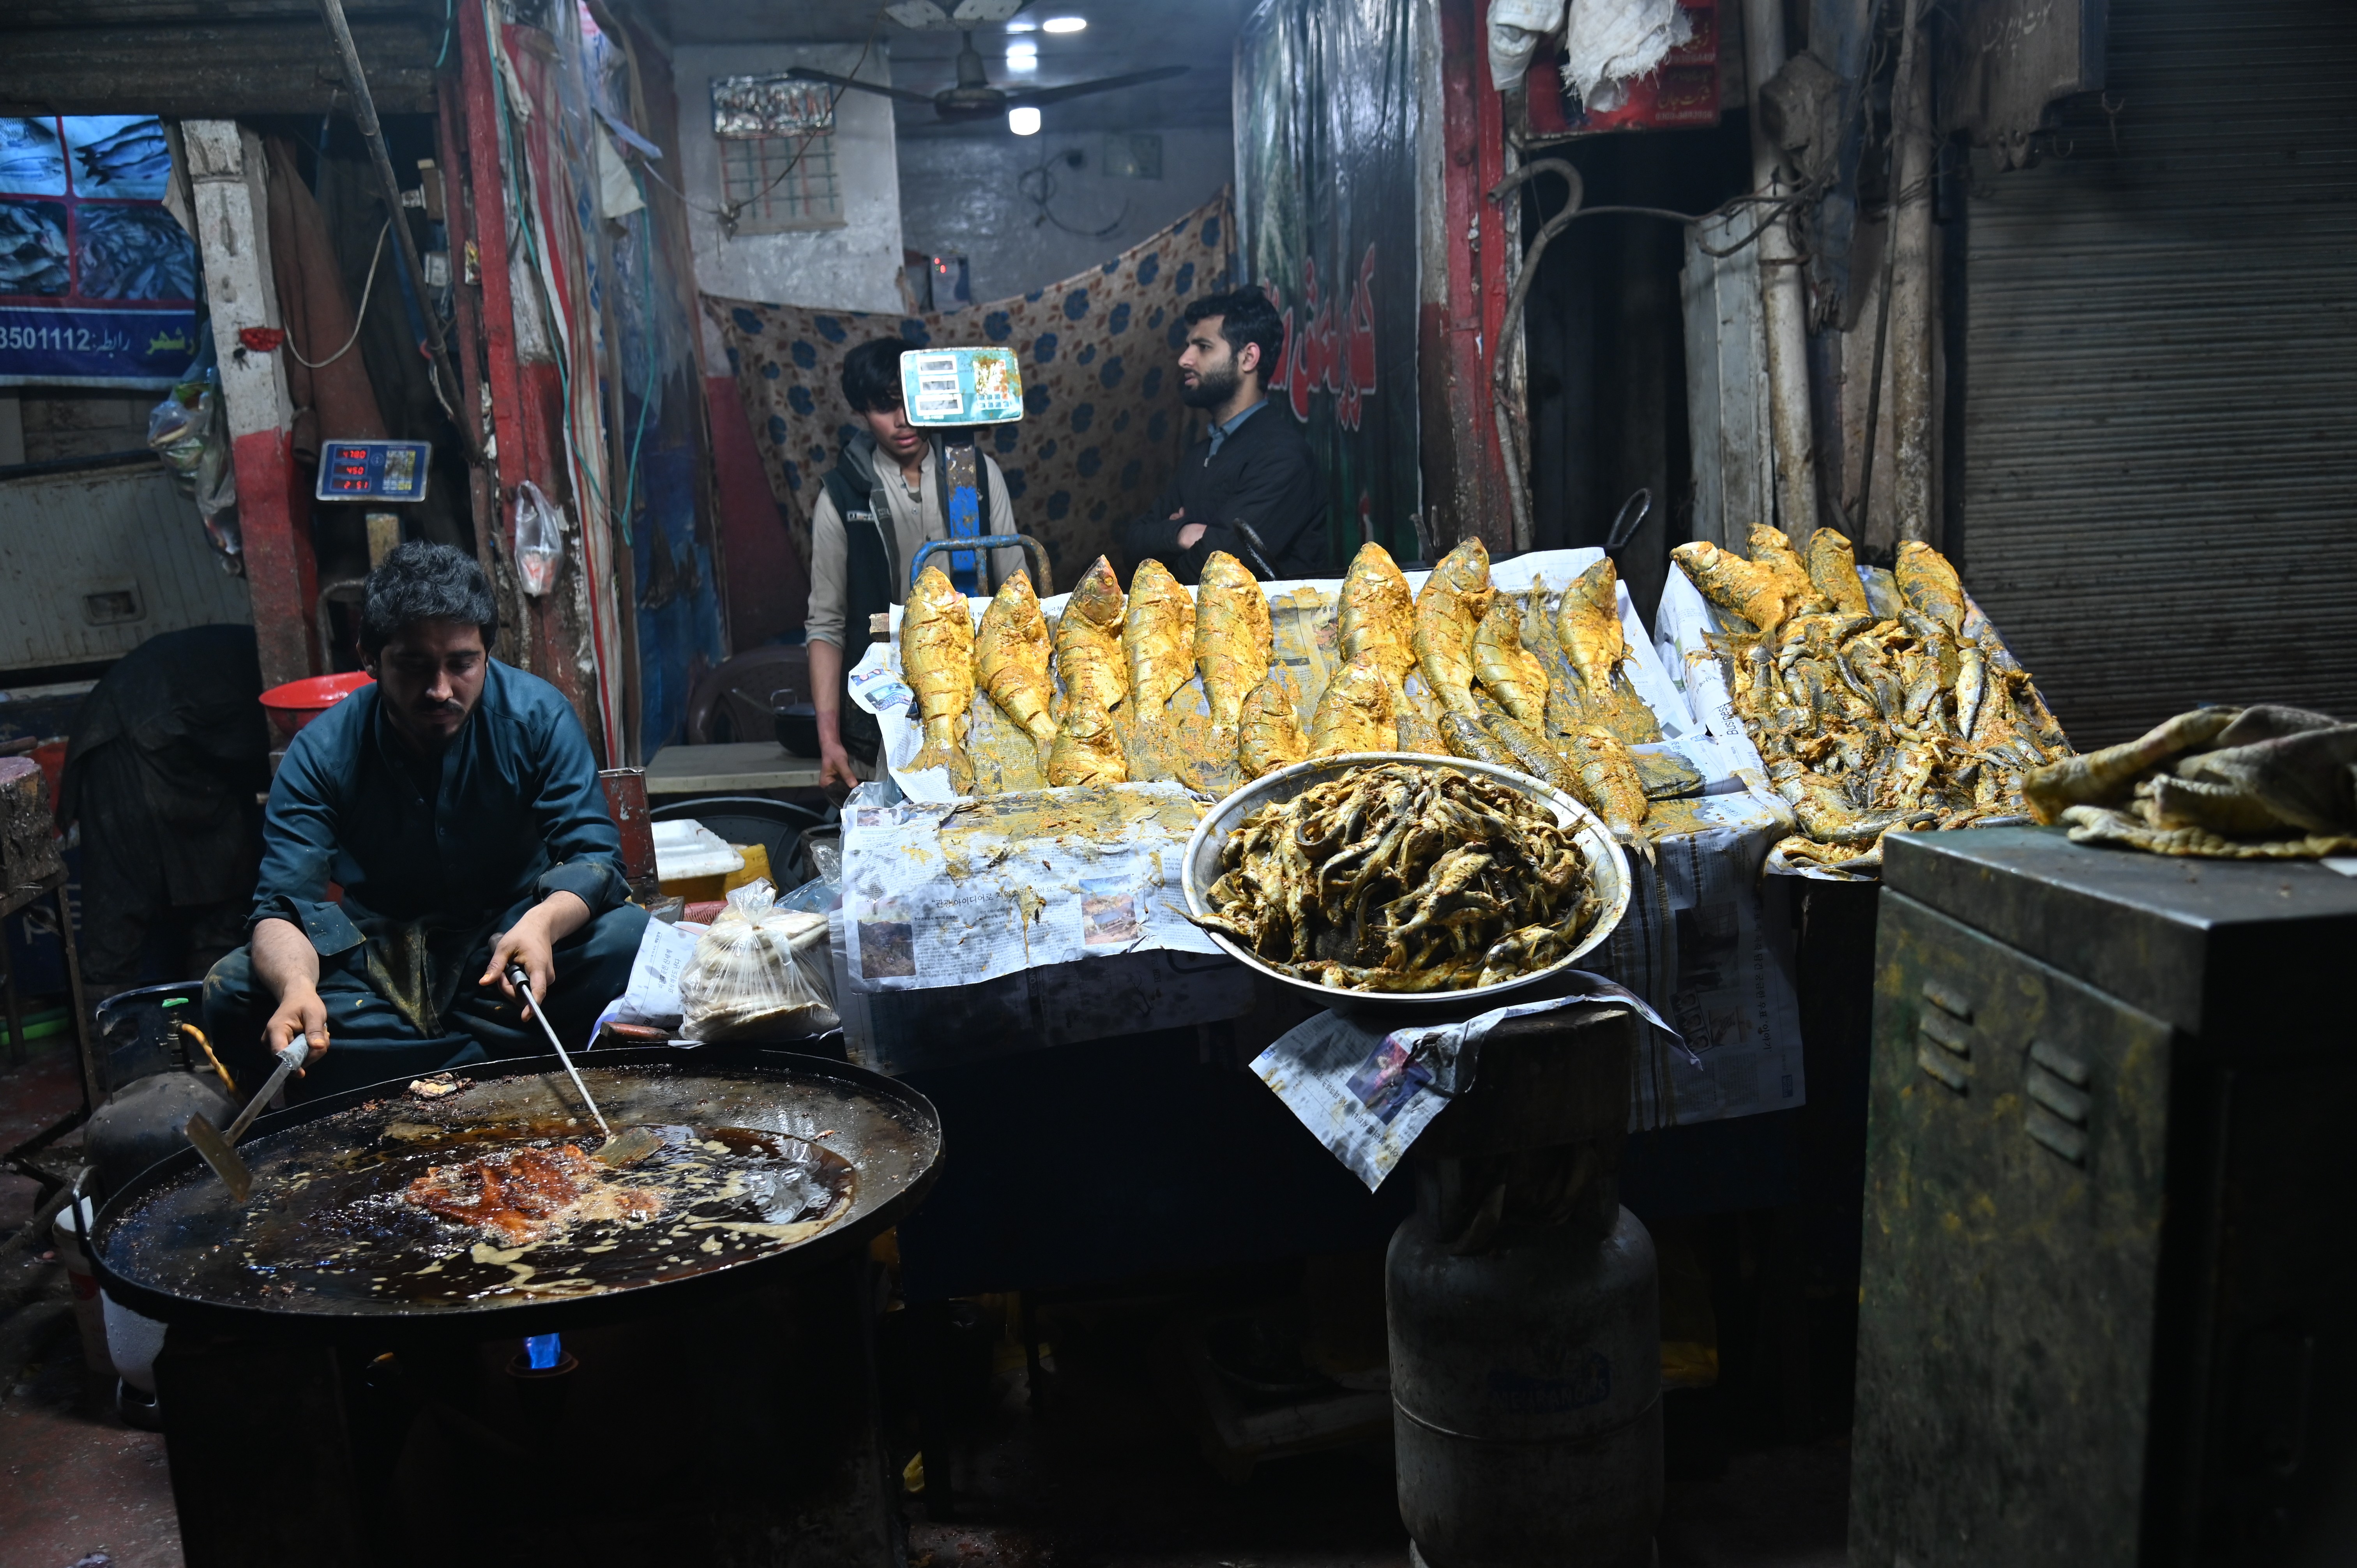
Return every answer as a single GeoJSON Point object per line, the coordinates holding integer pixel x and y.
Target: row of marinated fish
{"type": "Point", "coordinates": [1403, 877]}
{"type": "Point", "coordinates": [1906, 714]}
{"type": "Point", "coordinates": [1459, 668]}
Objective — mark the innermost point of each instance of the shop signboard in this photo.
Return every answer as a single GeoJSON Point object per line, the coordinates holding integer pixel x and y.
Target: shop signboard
{"type": "Point", "coordinates": [97, 282]}
{"type": "Point", "coordinates": [1326, 156]}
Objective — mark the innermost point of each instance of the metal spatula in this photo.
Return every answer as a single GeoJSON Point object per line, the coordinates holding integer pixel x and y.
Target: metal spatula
{"type": "Point", "coordinates": [635, 1144]}
{"type": "Point", "coordinates": [219, 1149]}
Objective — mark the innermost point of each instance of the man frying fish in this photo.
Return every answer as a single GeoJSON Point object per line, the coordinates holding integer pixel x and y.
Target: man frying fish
{"type": "Point", "coordinates": [456, 804]}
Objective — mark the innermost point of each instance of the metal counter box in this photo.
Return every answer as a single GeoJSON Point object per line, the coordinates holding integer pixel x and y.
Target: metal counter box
{"type": "Point", "coordinates": [2109, 1306]}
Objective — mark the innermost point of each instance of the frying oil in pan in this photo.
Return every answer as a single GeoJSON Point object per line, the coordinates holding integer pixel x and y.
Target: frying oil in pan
{"type": "Point", "coordinates": [709, 1197]}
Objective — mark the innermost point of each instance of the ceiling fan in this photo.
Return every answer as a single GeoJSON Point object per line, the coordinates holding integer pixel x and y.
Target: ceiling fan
{"type": "Point", "coordinates": [974, 97]}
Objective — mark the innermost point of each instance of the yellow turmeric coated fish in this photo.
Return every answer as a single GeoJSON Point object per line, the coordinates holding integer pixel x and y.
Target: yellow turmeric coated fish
{"type": "Point", "coordinates": [1088, 640]}
{"type": "Point", "coordinates": [937, 662]}
{"type": "Point", "coordinates": [1588, 627]}
{"type": "Point", "coordinates": [1733, 584]}
{"type": "Point", "coordinates": [1508, 670]}
{"type": "Point", "coordinates": [1271, 735]}
{"type": "Point", "coordinates": [1086, 750]}
{"type": "Point", "coordinates": [1444, 643]}
{"type": "Point", "coordinates": [1232, 636]}
{"type": "Point", "coordinates": [1772, 548]}
{"type": "Point", "coordinates": [1467, 570]}
{"type": "Point", "coordinates": [1377, 614]}
{"type": "Point", "coordinates": [1610, 784]}
{"type": "Point", "coordinates": [1355, 713]}
{"type": "Point", "coordinates": [1929, 583]}
{"type": "Point", "coordinates": [1833, 567]}
{"type": "Point", "coordinates": [1158, 637]}
{"type": "Point", "coordinates": [1010, 657]}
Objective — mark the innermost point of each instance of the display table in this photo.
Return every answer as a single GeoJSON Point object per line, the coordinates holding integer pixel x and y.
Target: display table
{"type": "Point", "coordinates": [732, 768]}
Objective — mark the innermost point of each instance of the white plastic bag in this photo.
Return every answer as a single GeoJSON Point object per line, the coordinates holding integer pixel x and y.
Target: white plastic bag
{"type": "Point", "coordinates": [539, 538]}
{"type": "Point", "coordinates": [752, 978]}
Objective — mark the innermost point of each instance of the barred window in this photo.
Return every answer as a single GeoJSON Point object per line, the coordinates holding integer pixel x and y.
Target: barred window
{"type": "Point", "coordinates": [779, 191]}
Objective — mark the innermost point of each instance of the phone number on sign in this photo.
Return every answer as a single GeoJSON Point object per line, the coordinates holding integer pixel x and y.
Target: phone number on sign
{"type": "Point", "coordinates": [73, 339]}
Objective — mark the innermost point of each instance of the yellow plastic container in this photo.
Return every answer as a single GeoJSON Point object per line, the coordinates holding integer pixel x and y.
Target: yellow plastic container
{"type": "Point", "coordinates": [704, 889]}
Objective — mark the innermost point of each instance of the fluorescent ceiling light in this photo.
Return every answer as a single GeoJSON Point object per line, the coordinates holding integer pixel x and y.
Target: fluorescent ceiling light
{"type": "Point", "coordinates": [1063, 24]}
{"type": "Point", "coordinates": [1022, 26]}
{"type": "Point", "coordinates": [1022, 57]}
{"type": "Point", "coordinates": [1023, 120]}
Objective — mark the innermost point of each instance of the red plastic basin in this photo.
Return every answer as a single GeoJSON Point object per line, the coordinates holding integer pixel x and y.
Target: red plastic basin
{"type": "Point", "coordinates": [297, 703]}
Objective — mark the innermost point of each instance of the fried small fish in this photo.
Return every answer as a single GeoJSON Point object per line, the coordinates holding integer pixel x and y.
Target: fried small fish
{"type": "Point", "coordinates": [1610, 784]}
{"type": "Point", "coordinates": [1271, 736]}
{"type": "Point", "coordinates": [1355, 712]}
{"type": "Point", "coordinates": [1508, 670]}
{"type": "Point", "coordinates": [1444, 643]}
{"type": "Point", "coordinates": [1733, 584]}
{"type": "Point", "coordinates": [1089, 659]}
{"type": "Point", "coordinates": [1589, 626]}
{"type": "Point", "coordinates": [1010, 657]}
{"type": "Point", "coordinates": [1833, 567]}
{"type": "Point", "coordinates": [1158, 637]}
{"type": "Point", "coordinates": [1232, 636]}
{"type": "Point", "coordinates": [1086, 750]}
{"type": "Point", "coordinates": [1929, 583]}
{"type": "Point", "coordinates": [1771, 549]}
{"type": "Point", "coordinates": [1466, 569]}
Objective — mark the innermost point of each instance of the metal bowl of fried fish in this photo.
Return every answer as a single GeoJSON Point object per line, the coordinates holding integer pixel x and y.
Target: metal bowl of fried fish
{"type": "Point", "coordinates": [1405, 879]}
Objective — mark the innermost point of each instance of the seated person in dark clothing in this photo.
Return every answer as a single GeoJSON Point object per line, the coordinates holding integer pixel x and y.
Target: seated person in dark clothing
{"type": "Point", "coordinates": [1253, 471]}
{"type": "Point", "coordinates": [457, 805]}
{"type": "Point", "coordinates": [167, 756]}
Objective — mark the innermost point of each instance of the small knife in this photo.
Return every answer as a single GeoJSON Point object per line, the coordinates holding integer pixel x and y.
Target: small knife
{"type": "Point", "coordinates": [219, 1149]}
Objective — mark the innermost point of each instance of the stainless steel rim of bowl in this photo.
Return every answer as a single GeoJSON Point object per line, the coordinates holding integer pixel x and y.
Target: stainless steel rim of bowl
{"type": "Point", "coordinates": [1612, 865]}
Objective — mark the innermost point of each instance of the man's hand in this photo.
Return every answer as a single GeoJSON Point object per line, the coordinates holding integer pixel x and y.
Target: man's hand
{"type": "Point", "coordinates": [300, 1015]}
{"type": "Point", "coordinates": [835, 765]}
{"type": "Point", "coordinates": [1189, 535]}
{"type": "Point", "coordinates": [531, 942]}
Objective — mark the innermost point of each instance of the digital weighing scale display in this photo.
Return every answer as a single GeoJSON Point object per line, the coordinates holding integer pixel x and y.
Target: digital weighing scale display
{"type": "Point", "coordinates": [374, 471]}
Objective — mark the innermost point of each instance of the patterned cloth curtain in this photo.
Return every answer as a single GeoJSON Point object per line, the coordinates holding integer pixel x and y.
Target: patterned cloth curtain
{"type": "Point", "coordinates": [1103, 425]}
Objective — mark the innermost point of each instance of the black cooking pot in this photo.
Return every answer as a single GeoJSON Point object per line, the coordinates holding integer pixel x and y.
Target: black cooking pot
{"type": "Point", "coordinates": [797, 725]}
{"type": "Point", "coordinates": [171, 1244]}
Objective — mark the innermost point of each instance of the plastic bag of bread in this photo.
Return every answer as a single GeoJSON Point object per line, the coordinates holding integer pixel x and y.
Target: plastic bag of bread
{"type": "Point", "coordinates": [759, 974]}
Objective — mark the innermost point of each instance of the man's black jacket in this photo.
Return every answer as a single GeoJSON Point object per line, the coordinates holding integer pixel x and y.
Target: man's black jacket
{"type": "Point", "coordinates": [1263, 475]}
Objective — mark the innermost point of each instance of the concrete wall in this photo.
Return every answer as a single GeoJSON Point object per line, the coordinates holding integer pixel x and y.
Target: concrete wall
{"type": "Point", "coordinates": [959, 193]}
{"type": "Point", "coordinates": [855, 267]}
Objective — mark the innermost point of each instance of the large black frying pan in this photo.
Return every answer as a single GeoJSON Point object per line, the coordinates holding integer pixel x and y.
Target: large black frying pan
{"type": "Point", "coordinates": [777, 1163]}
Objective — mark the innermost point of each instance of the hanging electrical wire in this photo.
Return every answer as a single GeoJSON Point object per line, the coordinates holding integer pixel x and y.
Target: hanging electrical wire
{"type": "Point", "coordinates": [359, 317]}
{"type": "Point", "coordinates": [1044, 173]}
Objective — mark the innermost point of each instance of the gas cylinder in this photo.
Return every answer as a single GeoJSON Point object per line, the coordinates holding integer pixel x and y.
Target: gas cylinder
{"type": "Point", "coordinates": [1525, 1322]}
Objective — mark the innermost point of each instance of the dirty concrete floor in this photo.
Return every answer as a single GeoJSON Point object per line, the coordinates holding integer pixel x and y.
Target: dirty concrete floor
{"type": "Point", "coordinates": [1103, 1475]}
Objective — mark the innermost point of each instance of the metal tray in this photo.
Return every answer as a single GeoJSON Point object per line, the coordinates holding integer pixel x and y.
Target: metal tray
{"type": "Point", "coordinates": [1611, 868]}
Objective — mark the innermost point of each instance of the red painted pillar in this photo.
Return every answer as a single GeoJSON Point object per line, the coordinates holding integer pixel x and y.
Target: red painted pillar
{"type": "Point", "coordinates": [1464, 475]}
{"type": "Point", "coordinates": [225, 172]}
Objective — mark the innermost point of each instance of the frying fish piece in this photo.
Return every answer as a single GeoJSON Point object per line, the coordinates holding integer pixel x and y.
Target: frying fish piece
{"type": "Point", "coordinates": [1466, 570]}
{"type": "Point", "coordinates": [1086, 750]}
{"type": "Point", "coordinates": [1355, 712]}
{"type": "Point", "coordinates": [1088, 640]}
{"type": "Point", "coordinates": [1589, 626]}
{"type": "Point", "coordinates": [1510, 672]}
{"type": "Point", "coordinates": [1271, 735]}
{"type": "Point", "coordinates": [1232, 635]}
{"type": "Point", "coordinates": [1158, 637]}
{"type": "Point", "coordinates": [937, 662]}
{"type": "Point", "coordinates": [524, 1195]}
{"type": "Point", "coordinates": [1772, 548]}
{"type": "Point", "coordinates": [1833, 567]}
{"type": "Point", "coordinates": [1010, 657]}
{"type": "Point", "coordinates": [1444, 643]}
{"type": "Point", "coordinates": [1929, 583]}
{"type": "Point", "coordinates": [1733, 584]}
{"type": "Point", "coordinates": [1377, 614]}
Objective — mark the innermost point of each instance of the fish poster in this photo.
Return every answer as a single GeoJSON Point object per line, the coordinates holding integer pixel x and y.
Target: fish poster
{"type": "Point", "coordinates": [98, 283]}
{"type": "Point", "coordinates": [1325, 167]}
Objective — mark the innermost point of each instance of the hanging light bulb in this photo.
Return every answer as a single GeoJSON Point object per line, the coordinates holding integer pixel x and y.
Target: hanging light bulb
{"type": "Point", "coordinates": [1023, 120]}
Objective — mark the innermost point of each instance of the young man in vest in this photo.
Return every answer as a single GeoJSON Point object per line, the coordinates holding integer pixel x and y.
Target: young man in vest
{"type": "Point", "coordinates": [1250, 471]}
{"type": "Point", "coordinates": [882, 501]}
